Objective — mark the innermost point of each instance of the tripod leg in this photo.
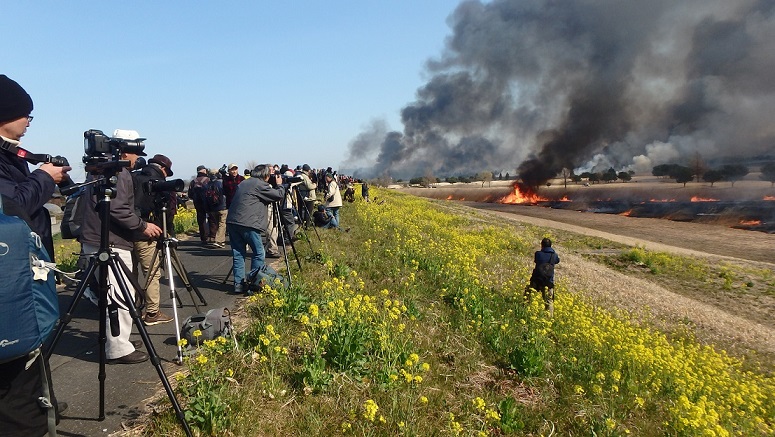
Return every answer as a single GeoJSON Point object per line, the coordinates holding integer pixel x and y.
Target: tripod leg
{"type": "Point", "coordinates": [154, 268]}
{"type": "Point", "coordinates": [68, 316]}
{"type": "Point", "coordinates": [177, 265]}
{"type": "Point", "coordinates": [285, 250]}
{"type": "Point", "coordinates": [231, 270]}
{"type": "Point", "coordinates": [146, 338]}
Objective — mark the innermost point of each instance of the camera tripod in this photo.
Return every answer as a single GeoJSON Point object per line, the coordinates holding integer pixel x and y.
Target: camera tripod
{"type": "Point", "coordinates": [309, 220]}
{"type": "Point", "coordinates": [97, 273]}
{"type": "Point", "coordinates": [167, 254]}
{"type": "Point", "coordinates": [277, 220]}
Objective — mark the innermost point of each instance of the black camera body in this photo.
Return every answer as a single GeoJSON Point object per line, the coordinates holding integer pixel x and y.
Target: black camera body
{"type": "Point", "coordinates": [99, 147]}
{"type": "Point", "coordinates": [160, 186]}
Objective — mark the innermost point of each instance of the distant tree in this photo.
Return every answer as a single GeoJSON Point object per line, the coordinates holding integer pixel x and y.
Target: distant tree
{"type": "Point", "coordinates": [575, 178]}
{"type": "Point", "coordinates": [485, 177]}
{"type": "Point", "coordinates": [507, 176]}
{"type": "Point", "coordinates": [609, 175]}
{"type": "Point", "coordinates": [712, 176]}
{"type": "Point", "coordinates": [661, 170]}
{"type": "Point", "coordinates": [416, 181]}
{"type": "Point", "coordinates": [733, 172]}
{"type": "Point", "coordinates": [768, 173]}
{"type": "Point", "coordinates": [452, 179]}
{"type": "Point", "coordinates": [465, 179]}
{"type": "Point", "coordinates": [624, 176]}
{"type": "Point", "coordinates": [594, 177]}
{"type": "Point", "coordinates": [683, 175]}
{"type": "Point", "coordinates": [566, 174]}
{"type": "Point", "coordinates": [586, 175]}
{"type": "Point", "coordinates": [698, 166]}
{"type": "Point", "coordinates": [500, 176]}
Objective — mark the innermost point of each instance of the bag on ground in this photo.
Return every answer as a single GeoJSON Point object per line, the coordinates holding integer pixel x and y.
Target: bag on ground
{"type": "Point", "coordinates": [212, 324]}
{"type": "Point", "coordinates": [29, 305]}
{"type": "Point", "coordinates": [265, 276]}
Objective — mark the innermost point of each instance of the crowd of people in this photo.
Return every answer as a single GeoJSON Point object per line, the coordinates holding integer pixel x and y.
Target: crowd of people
{"type": "Point", "coordinates": [255, 210]}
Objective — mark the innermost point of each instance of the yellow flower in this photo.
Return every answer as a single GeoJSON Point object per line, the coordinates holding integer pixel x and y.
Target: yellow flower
{"type": "Point", "coordinates": [201, 359]}
{"type": "Point", "coordinates": [479, 403]}
{"type": "Point", "coordinates": [183, 342]}
{"type": "Point", "coordinates": [197, 333]}
{"type": "Point", "coordinates": [425, 367]}
{"type": "Point", "coordinates": [370, 409]}
{"type": "Point", "coordinates": [423, 400]}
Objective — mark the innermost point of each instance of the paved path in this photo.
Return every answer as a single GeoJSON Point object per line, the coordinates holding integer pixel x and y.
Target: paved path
{"type": "Point", "coordinates": [75, 361]}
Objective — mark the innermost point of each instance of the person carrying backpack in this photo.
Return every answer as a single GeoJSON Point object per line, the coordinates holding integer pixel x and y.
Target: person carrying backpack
{"type": "Point", "coordinates": [196, 192]}
{"type": "Point", "coordinates": [542, 278]}
{"type": "Point", "coordinates": [21, 379]}
{"type": "Point", "coordinates": [216, 211]}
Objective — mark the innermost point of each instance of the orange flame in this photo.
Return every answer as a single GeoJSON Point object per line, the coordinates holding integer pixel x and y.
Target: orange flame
{"type": "Point", "coordinates": [769, 197]}
{"type": "Point", "coordinates": [703, 199]}
{"type": "Point", "coordinates": [565, 199]}
{"type": "Point", "coordinates": [750, 222]}
{"type": "Point", "coordinates": [449, 197]}
{"type": "Point", "coordinates": [519, 197]}
{"type": "Point", "coordinates": [626, 213]}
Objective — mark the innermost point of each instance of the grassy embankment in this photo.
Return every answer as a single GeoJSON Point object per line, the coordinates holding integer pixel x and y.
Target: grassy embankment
{"type": "Point", "coordinates": [414, 323]}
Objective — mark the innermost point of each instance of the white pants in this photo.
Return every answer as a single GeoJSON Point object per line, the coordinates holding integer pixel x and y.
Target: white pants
{"type": "Point", "coordinates": [115, 347]}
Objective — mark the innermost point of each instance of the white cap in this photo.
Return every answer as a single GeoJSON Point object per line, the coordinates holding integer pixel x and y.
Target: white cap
{"type": "Point", "coordinates": [126, 134]}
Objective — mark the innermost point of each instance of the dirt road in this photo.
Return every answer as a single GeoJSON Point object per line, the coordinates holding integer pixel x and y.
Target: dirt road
{"type": "Point", "coordinates": [657, 234]}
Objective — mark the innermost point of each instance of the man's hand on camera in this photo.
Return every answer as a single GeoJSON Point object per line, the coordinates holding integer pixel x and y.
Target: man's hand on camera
{"type": "Point", "coordinates": [58, 174]}
{"type": "Point", "coordinates": [151, 230]}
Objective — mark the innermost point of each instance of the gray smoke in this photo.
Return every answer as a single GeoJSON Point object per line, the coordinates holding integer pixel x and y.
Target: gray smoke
{"type": "Point", "coordinates": [543, 85]}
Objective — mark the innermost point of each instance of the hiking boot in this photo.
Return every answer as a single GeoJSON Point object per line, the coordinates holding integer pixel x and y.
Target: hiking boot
{"type": "Point", "coordinates": [156, 318]}
{"type": "Point", "coordinates": [137, 343]}
{"type": "Point", "coordinates": [133, 358]}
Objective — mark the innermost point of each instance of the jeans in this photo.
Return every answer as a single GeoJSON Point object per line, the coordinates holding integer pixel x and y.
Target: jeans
{"type": "Point", "coordinates": [240, 237]}
{"type": "Point", "coordinates": [334, 211]}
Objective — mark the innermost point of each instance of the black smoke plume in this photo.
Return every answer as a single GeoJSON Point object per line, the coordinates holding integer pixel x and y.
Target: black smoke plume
{"type": "Point", "coordinates": [545, 85]}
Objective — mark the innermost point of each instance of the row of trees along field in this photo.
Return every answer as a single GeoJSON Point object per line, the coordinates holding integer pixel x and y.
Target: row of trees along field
{"type": "Point", "coordinates": [682, 174]}
{"type": "Point", "coordinates": [729, 172]}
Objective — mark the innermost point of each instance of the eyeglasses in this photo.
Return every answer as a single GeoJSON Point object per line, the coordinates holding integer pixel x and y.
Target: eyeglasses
{"type": "Point", "coordinates": [29, 118]}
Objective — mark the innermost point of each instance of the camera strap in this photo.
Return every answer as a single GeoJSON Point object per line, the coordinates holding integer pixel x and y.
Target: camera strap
{"type": "Point", "coordinates": [12, 147]}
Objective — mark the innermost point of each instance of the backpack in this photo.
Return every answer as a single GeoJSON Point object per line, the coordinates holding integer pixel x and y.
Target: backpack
{"type": "Point", "coordinates": [544, 272]}
{"type": "Point", "coordinates": [214, 323]}
{"type": "Point", "coordinates": [29, 305]}
{"type": "Point", "coordinates": [265, 276]}
{"type": "Point", "coordinates": [212, 196]}
{"type": "Point", "coordinates": [72, 216]}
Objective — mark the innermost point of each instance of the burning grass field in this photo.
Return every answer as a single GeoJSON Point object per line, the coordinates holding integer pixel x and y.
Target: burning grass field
{"type": "Point", "coordinates": [414, 323]}
{"type": "Point", "coordinates": [749, 204]}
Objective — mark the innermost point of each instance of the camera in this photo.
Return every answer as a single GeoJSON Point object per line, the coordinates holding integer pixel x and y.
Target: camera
{"type": "Point", "coordinates": [160, 186]}
{"type": "Point", "coordinates": [286, 179]}
{"type": "Point", "coordinates": [99, 147]}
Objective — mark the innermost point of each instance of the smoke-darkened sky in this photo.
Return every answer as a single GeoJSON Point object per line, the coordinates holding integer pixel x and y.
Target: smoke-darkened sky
{"type": "Point", "coordinates": [541, 85]}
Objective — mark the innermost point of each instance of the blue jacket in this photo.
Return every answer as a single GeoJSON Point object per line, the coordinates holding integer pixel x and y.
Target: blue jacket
{"type": "Point", "coordinates": [547, 255]}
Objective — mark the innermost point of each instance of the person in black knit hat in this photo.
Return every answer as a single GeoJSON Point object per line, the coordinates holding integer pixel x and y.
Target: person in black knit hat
{"type": "Point", "coordinates": [21, 381]}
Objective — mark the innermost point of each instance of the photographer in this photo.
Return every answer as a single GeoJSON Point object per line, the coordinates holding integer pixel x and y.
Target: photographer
{"type": "Point", "coordinates": [230, 182]}
{"type": "Point", "coordinates": [148, 206]}
{"type": "Point", "coordinates": [125, 226]}
{"type": "Point", "coordinates": [21, 381]}
{"type": "Point", "coordinates": [333, 199]}
{"type": "Point", "coordinates": [248, 219]}
{"type": "Point", "coordinates": [306, 192]}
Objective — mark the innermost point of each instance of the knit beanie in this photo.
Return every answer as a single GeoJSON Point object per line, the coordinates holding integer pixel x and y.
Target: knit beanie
{"type": "Point", "coordinates": [14, 101]}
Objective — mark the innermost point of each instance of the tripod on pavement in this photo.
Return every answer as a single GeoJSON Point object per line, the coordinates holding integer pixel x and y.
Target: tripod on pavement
{"type": "Point", "coordinates": [97, 274]}
{"type": "Point", "coordinates": [166, 253]}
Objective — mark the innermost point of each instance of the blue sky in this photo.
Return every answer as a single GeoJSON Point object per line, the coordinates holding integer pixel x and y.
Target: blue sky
{"type": "Point", "coordinates": [219, 82]}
